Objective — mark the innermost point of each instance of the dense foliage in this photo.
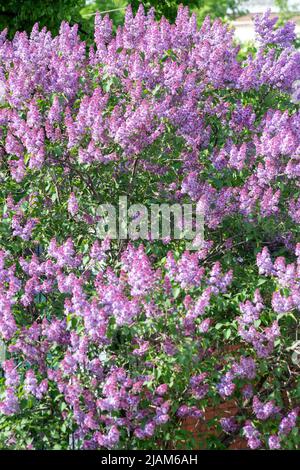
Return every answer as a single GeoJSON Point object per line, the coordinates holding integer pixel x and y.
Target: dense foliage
{"type": "Point", "coordinates": [112, 343]}
{"type": "Point", "coordinates": [21, 15]}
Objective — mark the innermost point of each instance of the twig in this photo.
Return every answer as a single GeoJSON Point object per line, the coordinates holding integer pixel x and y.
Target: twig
{"type": "Point", "coordinates": [107, 11]}
{"type": "Point", "coordinates": [229, 438]}
{"type": "Point", "coordinates": [133, 174]}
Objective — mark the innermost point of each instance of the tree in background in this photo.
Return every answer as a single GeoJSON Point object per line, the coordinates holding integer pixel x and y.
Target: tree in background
{"type": "Point", "coordinates": [287, 10]}
{"type": "Point", "coordinates": [167, 8]}
{"type": "Point", "coordinates": [214, 8]}
{"type": "Point", "coordinates": [20, 15]}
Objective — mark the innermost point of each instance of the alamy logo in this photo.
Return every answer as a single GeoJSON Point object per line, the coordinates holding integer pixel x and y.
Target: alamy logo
{"type": "Point", "coordinates": [296, 92]}
{"type": "Point", "coordinates": [2, 93]}
{"type": "Point", "coordinates": [163, 222]}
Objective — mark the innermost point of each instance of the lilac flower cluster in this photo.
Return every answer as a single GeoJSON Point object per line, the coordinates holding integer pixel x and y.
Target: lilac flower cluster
{"type": "Point", "coordinates": [253, 435]}
{"type": "Point", "coordinates": [287, 275]}
{"type": "Point", "coordinates": [245, 369]}
{"type": "Point", "coordinates": [262, 339]}
{"type": "Point", "coordinates": [264, 411]}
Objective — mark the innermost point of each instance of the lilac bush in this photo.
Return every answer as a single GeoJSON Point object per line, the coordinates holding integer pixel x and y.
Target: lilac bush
{"type": "Point", "coordinates": [113, 343]}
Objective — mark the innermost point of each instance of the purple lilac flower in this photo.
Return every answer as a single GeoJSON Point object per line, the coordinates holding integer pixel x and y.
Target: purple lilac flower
{"type": "Point", "coordinates": [229, 425]}
{"type": "Point", "coordinates": [274, 442]}
{"type": "Point", "coordinates": [252, 435]}
{"type": "Point", "coordinates": [73, 207]}
{"type": "Point", "coordinates": [288, 422]}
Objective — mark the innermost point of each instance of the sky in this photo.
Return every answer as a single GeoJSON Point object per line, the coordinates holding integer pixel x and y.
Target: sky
{"type": "Point", "coordinates": [257, 6]}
